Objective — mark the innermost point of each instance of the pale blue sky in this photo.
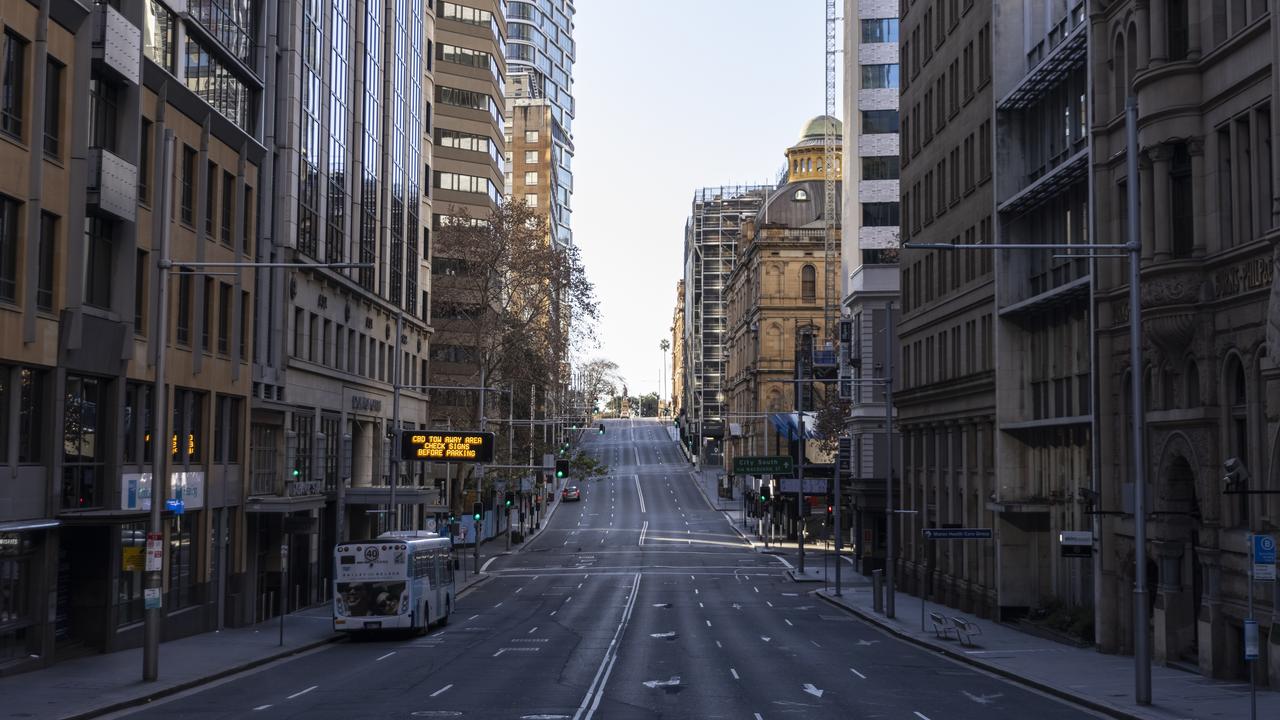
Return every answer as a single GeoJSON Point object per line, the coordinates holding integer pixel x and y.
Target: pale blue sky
{"type": "Point", "coordinates": [673, 96]}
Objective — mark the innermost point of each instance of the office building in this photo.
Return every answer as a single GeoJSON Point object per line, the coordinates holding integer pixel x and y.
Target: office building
{"type": "Point", "coordinates": [132, 129]}
{"type": "Point", "coordinates": [869, 256]}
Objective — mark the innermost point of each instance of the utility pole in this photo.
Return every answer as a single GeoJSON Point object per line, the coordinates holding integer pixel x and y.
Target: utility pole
{"type": "Point", "coordinates": [888, 454]}
{"type": "Point", "coordinates": [397, 381]}
{"type": "Point", "coordinates": [800, 468]}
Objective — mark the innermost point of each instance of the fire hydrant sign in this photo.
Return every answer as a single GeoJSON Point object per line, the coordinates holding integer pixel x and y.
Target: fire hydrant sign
{"type": "Point", "coordinates": [155, 552]}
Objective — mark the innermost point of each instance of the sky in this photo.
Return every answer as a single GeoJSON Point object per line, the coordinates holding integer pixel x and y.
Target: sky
{"type": "Point", "coordinates": [673, 96]}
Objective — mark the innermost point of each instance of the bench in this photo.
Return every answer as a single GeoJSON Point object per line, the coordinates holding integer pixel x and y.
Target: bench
{"type": "Point", "coordinates": [965, 630]}
{"type": "Point", "coordinates": [942, 626]}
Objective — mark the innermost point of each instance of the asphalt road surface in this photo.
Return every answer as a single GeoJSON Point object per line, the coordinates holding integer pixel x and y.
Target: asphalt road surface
{"type": "Point", "coordinates": [640, 601]}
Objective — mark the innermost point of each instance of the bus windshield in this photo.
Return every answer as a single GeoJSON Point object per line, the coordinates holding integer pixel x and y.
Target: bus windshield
{"type": "Point", "coordinates": [372, 580]}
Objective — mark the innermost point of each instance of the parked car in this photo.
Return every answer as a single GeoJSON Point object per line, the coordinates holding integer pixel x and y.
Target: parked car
{"type": "Point", "coordinates": [571, 493]}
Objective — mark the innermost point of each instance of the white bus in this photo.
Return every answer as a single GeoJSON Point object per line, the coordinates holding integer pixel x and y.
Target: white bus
{"type": "Point", "coordinates": [400, 580]}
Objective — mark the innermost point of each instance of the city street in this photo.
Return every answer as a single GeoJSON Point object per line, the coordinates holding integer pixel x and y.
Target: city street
{"type": "Point", "coordinates": [640, 601]}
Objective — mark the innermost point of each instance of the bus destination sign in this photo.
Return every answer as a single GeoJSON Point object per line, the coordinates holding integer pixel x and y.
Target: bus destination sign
{"type": "Point", "coordinates": [447, 446]}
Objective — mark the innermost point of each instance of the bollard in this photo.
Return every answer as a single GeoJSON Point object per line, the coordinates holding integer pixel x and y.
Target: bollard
{"type": "Point", "coordinates": [877, 590]}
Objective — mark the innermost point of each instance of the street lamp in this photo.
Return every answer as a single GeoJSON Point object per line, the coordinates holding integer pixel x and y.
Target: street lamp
{"type": "Point", "coordinates": [1133, 249]}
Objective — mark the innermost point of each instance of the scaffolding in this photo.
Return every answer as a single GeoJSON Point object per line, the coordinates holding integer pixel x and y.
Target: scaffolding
{"type": "Point", "coordinates": [711, 244]}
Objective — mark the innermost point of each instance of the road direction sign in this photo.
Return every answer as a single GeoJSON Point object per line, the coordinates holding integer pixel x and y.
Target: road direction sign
{"type": "Point", "coordinates": [812, 486]}
{"type": "Point", "coordinates": [763, 465]}
{"type": "Point", "coordinates": [958, 534]}
{"type": "Point", "coordinates": [1264, 557]}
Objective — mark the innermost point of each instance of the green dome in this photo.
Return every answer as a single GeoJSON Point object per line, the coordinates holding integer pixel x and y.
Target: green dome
{"type": "Point", "coordinates": [817, 127]}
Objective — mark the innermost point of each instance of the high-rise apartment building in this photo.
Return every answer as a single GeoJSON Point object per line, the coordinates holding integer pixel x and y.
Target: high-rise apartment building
{"type": "Point", "coordinates": [1204, 75]}
{"type": "Point", "coordinates": [676, 399]}
{"type": "Point", "coordinates": [540, 57]}
{"type": "Point", "coordinates": [710, 245]}
{"type": "Point", "coordinates": [869, 252]}
{"type": "Point", "coordinates": [467, 185]}
{"type": "Point", "coordinates": [125, 128]}
{"type": "Point", "coordinates": [945, 380]}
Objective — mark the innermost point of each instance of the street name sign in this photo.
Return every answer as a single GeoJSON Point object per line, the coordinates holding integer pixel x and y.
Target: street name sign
{"type": "Point", "coordinates": [1075, 543]}
{"type": "Point", "coordinates": [763, 465]}
{"type": "Point", "coordinates": [1264, 557]}
{"type": "Point", "coordinates": [447, 446]}
{"type": "Point", "coordinates": [958, 534]}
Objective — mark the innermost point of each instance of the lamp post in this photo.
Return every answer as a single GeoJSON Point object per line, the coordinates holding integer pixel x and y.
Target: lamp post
{"type": "Point", "coordinates": [162, 431]}
{"type": "Point", "coordinates": [1133, 250]}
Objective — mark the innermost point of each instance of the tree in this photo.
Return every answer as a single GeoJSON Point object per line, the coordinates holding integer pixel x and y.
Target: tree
{"type": "Point", "coordinates": [830, 417]}
{"type": "Point", "coordinates": [584, 467]}
{"type": "Point", "coordinates": [599, 379]}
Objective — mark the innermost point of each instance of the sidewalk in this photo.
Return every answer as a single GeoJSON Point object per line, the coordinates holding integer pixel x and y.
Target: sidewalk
{"type": "Point", "coordinates": [1080, 675]}
{"type": "Point", "coordinates": [99, 684]}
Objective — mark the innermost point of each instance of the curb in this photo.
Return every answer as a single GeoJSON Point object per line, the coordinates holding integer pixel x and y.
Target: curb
{"type": "Point", "coordinates": [1057, 692]}
{"type": "Point", "coordinates": [484, 578]}
{"type": "Point", "coordinates": [197, 682]}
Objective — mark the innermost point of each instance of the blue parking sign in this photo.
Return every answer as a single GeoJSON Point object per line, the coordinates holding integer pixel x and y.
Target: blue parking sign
{"type": "Point", "coordinates": [1264, 557]}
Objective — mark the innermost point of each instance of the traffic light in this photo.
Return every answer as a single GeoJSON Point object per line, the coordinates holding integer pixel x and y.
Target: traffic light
{"type": "Point", "coordinates": [831, 507]}
{"type": "Point", "coordinates": [562, 468]}
{"type": "Point", "coordinates": [764, 493]}
{"type": "Point", "coordinates": [510, 499]}
{"type": "Point", "coordinates": [601, 428]}
{"type": "Point", "coordinates": [564, 448]}
{"type": "Point", "coordinates": [291, 455]}
{"type": "Point", "coordinates": [477, 511]}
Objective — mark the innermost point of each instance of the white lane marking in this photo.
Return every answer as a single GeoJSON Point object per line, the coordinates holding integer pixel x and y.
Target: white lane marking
{"type": "Point", "coordinates": [568, 598]}
{"type": "Point", "coordinates": [643, 531]}
{"type": "Point", "coordinates": [816, 692]}
{"type": "Point", "coordinates": [442, 690]}
{"type": "Point", "coordinates": [734, 673]}
{"type": "Point", "coordinates": [920, 715]}
{"type": "Point", "coordinates": [639, 493]}
{"type": "Point", "coordinates": [982, 699]}
{"type": "Point", "coordinates": [788, 622]}
{"type": "Point", "coordinates": [855, 672]}
{"type": "Point", "coordinates": [473, 617]}
{"type": "Point", "coordinates": [757, 717]}
{"type": "Point", "coordinates": [384, 657]}
{"type": "Point", "coordinates": [262, 707]}
{"type": "Point", "coordinates": [718, 644]}
{"type": "Point", "coordinates": [579, 586]}
{"type": "Point", "coordinates": [532, 630]}
{"type": "Point", "coordinates": [766, 602]}
{"type": "Point", "coordinates": [695, 591]}
{"type": "Point", "coordinates": [553, 612]}
{"type": "Point", "coordinates": [303, 692]}
{"type": "Point", "coordinates": [519, 588]}
{"type": "Point", "coordinates": [701, 605]}
{"type": "Point", "coordinates": [495, 607]}
{"type": "Point", "coordinates": [753, 587]}
{"type": "Point", "coordinates": [815, 643]}
{"type": "Point", "coordinates": [692, 577]}
{"type": "Point", "coordinates": [708, 623]}
{"type": "Point", "coordinates": [489, 562]}
{"type": "Point", "coordinates": [596, 691]}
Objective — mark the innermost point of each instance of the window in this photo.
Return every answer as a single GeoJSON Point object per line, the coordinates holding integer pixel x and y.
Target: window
{"type": "Point", "coordinates": [531, 157]}
{"type": "Point", "coordinates": [531, 178]}
{"type": "Point", "coordinates": [84, 442]}
{"type": "Point", "coordinates": [188, 184]}
{"type": "Point", "coordinates": [206, 315]}
{"type": "Point", "coordinates": [47, 253]}
{"type": "Point", "coordinates": [226, 432]}
{"type": "Point", "coordinates": [883, 30]}
{"type": "Point", "coordinates": [808, 284]}
{"type": "Point", "coordinates": [128, 600]}
{"type": "Point", "coordinates": [104, 112]}
{"type": "Point", "coordinates": [880, 214]}
{"type": "Point", "coordinates": [1178, 29]}
{"type": "Point", "coordinates": [244, 324]}
{"type": "Point", "coordinates": [531, 136]}
{"type": "Point", "coordinates": [531, 200]}
{"type": "Point", "coordinates": [188, 424]}
{"type": "Point", "coordinates": [140, 293]}
{"type": "Point", "coordinates": [876, 77]}
{"type": "Point", "coordinates": [182, 560]}
{"type": "Point", "coordinates": [183, 335]}
{"type": "Point", "coordinates": [877, 122]}
{"type": "Point", "coordinates": [9, 248]}
{"type": "Point", "coordinates": [144, 163]}
{"type": "Point", "coordinates": [228, 198]}
{"type": "Point", "coordinates": [137, 422]}
{"type": "Point", "coordinates": [1182, 218]}
{"type": "Point", "coordinates": [210, 197]}
{"type": "Point", "coordinates": [53, 108]}
{"type": "Point", "coordinates": [224, 317]}
{"type": "Point", "coordinates": [99, 238]}
{"type": "Point", "coordinates": [247, 209]}
{"type": "Point", "coordinates": [31, 403]}
{"type": "Point", "coordinates": [15, 74]}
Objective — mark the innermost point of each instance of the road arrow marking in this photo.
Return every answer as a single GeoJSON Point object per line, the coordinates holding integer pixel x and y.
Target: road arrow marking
{"type": "Point", "coordinates": [809, 688]}
{"type": "Point", "coordinates": [663, 635]}
{"type": "Point", "coordinates": [982, 699]}
{"type": "Point", "coordinates": [652, 684]}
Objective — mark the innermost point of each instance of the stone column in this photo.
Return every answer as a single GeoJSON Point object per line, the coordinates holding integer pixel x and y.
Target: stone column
{"type": "Point", "coordinates": [1158, 30]}
{"type": "Point", "coordinates": [1173, 626]}
{"type": "Point", "coordinates": [1199, 188]}
{"type": "Point", "coordinates": [1211, 625]}
{"type": "Point", "coordinates": [1159, 204]}
{"type": "Point", "coordinates": [1144, 34]}
{"type": "Point", "coordinates": [1146, 205]}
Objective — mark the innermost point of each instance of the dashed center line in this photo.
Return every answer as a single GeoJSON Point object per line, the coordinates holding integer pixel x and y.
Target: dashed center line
{"type": "Point", "coordinates": [532, 630]}
{"type": "Point", "coordinates": [302, 692]}
{"type": "Point", "coordinates": [384, 657]}
{"type": "Point", "coordinates": [788, 622]}
{"type": "Point", "coordinates": [442, 690]}
{"type": "Point", "coordinates": [734, 673]}
{"type": "Point", "coordinates": [708, 623]}
{"type": "Point", "coordinates": [855, 672]}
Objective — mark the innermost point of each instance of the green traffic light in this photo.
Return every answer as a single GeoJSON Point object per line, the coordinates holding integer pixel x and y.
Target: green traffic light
{"type": "Point", "coordinates": [296, 472]}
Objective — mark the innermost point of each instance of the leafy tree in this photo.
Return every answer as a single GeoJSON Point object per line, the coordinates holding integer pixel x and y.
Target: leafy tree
{"type": "Point", "coordinates": [586, 467]}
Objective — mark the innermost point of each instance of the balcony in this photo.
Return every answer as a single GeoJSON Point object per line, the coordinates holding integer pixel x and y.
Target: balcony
{"type": "Point", "coordinates": [112, 185]}
{"type": "Point", "coordinates": [1048, 70]}
{"type": "Point", "coordinates": [117, 43]}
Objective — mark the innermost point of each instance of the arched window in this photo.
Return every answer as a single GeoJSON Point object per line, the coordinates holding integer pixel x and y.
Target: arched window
{"type": "Point", "coordinates": [1121, 84]}
{"type": "Point", "coordinates": [1192, 381]}
{"type": "Point", "coordinates": [809, 284]}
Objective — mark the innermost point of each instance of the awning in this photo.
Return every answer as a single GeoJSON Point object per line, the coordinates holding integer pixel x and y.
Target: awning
{"type": "Point", "coordinates": [20, 525]}
{"type": "Point", "coordinates": [788, 424]}
{"type": "Point", "coordinates": [281, 504]}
